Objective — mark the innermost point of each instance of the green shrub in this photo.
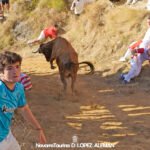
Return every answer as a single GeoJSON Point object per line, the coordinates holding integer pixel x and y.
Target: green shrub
{"type": "Point", "coordinates": [32, 5]}
{"type": "Point", "coordinates": [56, 4]}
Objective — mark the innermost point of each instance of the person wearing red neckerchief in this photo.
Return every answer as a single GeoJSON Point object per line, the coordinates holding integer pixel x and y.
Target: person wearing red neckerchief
{"type": "Point", "coordinates": [51, 32]}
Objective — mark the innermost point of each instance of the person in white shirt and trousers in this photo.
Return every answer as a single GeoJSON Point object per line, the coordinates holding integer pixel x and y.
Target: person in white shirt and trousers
{"type": "Point", "coordinates": [78, 6]}
{"type": "Point", "coordinates": [143, 44]}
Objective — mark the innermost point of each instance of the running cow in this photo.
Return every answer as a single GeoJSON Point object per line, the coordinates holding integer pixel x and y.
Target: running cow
{"type": "Point", "coordinates": [66, 58]}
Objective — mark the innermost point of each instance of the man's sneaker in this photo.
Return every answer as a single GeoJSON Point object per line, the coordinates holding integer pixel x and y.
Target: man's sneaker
{"type": "Point", "coordinates": [122, 59]}
{"type": "Point", "coordinates": [125, 82]}
{"type": "Point", "coordinates": [29, 43]}
{"type": "Point", "coordinates": [122, 76]}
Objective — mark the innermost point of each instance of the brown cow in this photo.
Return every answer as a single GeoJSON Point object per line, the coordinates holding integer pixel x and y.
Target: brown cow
{"type": "Point", "coordinates": [66, 58]}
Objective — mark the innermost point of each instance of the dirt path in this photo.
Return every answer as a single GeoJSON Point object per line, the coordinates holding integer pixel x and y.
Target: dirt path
{"type": "Point", "coordinates": [103, 110]}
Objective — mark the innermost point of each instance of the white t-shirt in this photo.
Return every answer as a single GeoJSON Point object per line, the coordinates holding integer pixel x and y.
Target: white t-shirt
{"type": "Point", "coordinates": [146, 40]}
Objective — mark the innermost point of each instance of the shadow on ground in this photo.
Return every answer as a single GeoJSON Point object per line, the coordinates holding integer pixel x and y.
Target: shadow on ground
{"type": "Point", "coordinates": [102, 111]}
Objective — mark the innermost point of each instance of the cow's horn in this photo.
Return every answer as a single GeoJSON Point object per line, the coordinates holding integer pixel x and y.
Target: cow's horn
{"type": "Point", "coordinates": [35, 51]}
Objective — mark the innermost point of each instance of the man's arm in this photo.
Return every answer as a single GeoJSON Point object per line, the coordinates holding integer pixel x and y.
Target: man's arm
{"type": "Point", "coordinates": [28, 115]}
{"type": "Point", "coordinates": [36, 41]}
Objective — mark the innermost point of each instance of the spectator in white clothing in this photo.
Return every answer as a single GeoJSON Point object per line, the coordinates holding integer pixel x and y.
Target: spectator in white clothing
{"type": "Point", "coordinates": [142, 44]}
{"type": "Point", "coordinates": [78, 6]}
{"type": "Point", "coordinates": [138, 57]}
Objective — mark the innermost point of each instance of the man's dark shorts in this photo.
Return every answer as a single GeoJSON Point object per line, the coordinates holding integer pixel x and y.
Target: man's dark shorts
{"type": "Point", "coordinates": [5, 2]}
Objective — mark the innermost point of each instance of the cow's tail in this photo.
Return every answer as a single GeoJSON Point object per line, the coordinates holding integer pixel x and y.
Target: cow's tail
{"type": "Point", "coordinates": [90, 65]}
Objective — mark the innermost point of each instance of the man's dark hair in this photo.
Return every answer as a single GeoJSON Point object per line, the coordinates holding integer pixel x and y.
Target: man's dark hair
{"type": "Point", "coordinates": [56, 26]}
{"type": "Point", "coordinates": [7, 58]}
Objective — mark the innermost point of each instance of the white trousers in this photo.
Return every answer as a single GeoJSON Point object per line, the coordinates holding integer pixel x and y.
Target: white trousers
{"type": "Point", "coordinates": [41, 36]}
{"type": "Point", "coordinates": [127, 54]}
{"type": "Point", "coordinates": [78, 7]}
{"type": "Point", "coordinates": [136, 65]}
{"type": "Point", "coordinates": [9, 143]}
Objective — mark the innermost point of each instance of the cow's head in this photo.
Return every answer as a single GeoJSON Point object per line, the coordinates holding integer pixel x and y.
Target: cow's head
{"type": "Point", "coordinates": [40, 49]}
{"type": "Point", "coordinates": [45, 49]}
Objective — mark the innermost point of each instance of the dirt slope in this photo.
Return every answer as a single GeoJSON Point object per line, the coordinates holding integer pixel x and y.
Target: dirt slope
{"type": "Point", "coordinates": [103, 110]}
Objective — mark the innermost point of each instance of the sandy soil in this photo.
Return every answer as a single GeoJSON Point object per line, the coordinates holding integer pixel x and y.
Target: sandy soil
{"type": "Point", "coordinates": [102, 111]}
